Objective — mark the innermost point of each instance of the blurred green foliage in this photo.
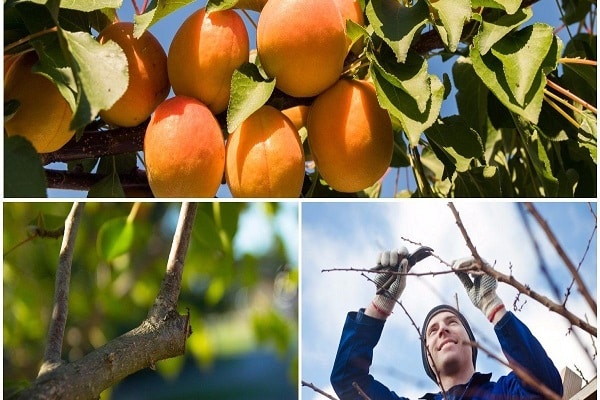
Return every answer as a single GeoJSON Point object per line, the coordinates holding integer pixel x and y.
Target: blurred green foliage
{"type": "Point", "coordinates": [241, 296]}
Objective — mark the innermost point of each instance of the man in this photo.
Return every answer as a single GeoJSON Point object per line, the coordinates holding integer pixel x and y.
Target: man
{"type": "Point", "coordinates": [448, 357]}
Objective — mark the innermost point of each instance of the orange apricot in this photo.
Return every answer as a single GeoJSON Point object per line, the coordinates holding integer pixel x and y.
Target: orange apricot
{"type": "Point", "coordinates": [265, 157]}
{"type": "Point", "coordinates": [350, 136]}
{"type": "Point", "coordinates": [148, 80]}
{"type": "Point", "coordinates": [205, 51]}
{"type": "Point", "coordinates": [297, 114]}
{"type": "Point", "coordinates": [350, 9]}
{"type": "Point", "coordinates": [184, 149]}
{"type": "Point", "coordinates": [302, 44]}
{"type": "Point", "coordinates": [43, 116]}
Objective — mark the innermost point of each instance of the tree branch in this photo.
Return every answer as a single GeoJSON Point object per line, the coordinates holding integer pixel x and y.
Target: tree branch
{"type": "Point", "coordinates": [510, 280]}
{"type": "Point", "coordinates": [99, 143]}
{"type": "Point", "coordinates": [166, 301]}
{"type": "Point", "coordinates": [161, 335]}
{"type": "Point", "coordinates": [563, 255]}
{"type": "Point", "coordinates": [135, 184]}
{"type": "Point", "coordinates": [56, 331]}
{"type": "Point", "coordinates": [316, 389]}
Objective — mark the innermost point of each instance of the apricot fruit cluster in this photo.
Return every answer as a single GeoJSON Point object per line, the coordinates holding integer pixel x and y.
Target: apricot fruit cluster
{"type": "Point", "coordinates": [301, 44]}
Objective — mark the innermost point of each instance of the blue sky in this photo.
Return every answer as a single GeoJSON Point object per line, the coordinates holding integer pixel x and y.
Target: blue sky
{"type": "Point", "coordinates": [341, 235]}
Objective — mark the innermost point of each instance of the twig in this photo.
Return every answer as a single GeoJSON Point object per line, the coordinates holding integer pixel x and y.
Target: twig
{"type": "Point", "coordinates": [563, 255]}
{"type": "Point", "coordinates": [431, 273]}
{"type": "Point", "coordinates": [316, 389]}
{"type": "Point", "coordinates": [521, 372]}
{"type": "Point", "coordinates": [460, 225]}
{"type": "Point", "coordinates": [360, 391]}
{"type": "Point", "coordinates": [510, 280]}
{"type": "Point", "coordinates": [56, 331]}
{"type": "Point", "coordinates": [167, 298]}
{"type": "Point", "coordinates": [571, 96]}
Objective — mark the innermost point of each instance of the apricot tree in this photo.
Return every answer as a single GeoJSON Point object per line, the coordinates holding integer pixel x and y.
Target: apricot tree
{"type": "Point", "coordinates": [514, 115]}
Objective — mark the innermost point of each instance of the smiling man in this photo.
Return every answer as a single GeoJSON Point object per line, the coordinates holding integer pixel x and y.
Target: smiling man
{"type": "Point", "coordinates": [447, 342]}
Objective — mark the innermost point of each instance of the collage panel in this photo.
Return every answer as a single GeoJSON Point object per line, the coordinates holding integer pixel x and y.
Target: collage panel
{"type": "Point", "coordinates": [414, 297]}
{"type": "Point", "coordinates": [157, 300]}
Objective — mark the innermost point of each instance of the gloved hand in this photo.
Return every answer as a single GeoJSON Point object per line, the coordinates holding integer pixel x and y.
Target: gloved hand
{"type": "Point", "coordinates": [390, 286]}
{"type": "Point", "coordinates": [480, 287]}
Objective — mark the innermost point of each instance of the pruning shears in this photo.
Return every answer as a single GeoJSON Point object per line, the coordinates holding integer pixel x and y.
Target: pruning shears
{"type": "Point", "coordinates": [418, 255]}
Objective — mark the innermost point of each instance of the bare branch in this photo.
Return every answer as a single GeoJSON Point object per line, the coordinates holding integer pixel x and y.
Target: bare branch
{"type": "Point", "coordinates": [521, 372]}
{"type": "Point", "coordinates": [510, 280]}
{"type": "Point", "coordinates": [563, 255]}
{"type": "Point", "coordinates": [56, 331]}
{"type": "Point", "coordinates": [431, 273]}
{"type": "Point", "coordinates": [166, 301]}
{"type": "Point", "coordinates": [361, 393]}
{"type": "Point", "coordinates": [316, 389]}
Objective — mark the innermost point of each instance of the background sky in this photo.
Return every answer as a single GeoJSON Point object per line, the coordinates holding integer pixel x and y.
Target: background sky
{"type": "Point", "coordinates": [164, 30]}
{"type": "Point", "coordinates": [342, 235]}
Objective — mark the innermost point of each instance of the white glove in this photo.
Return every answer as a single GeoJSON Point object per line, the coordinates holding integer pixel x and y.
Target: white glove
{"type": "Point", "coordinates": [480, 287]}
{"type": "Point", "coordinates": [390, 286]}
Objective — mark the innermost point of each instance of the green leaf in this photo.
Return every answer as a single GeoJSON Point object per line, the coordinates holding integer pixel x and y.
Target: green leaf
{"type": "Point", "coordinates": [249, 92]}
{"type": "Point", "coordinates": [403, 107]}
{"type": "Point", "coordinates": [156, 10]}
{"type": "Point", "coordinates": [471, 95]}
{"type": "Point", "coordinates": [496, 25]}
{"type": "Point", "coordinates": [88, 6]}
{"type": "Point", "coordinates": [478, 182]}
{"type": "Point", "coordinates": [452, 14]}
{"type": "Point", "coordinates": [101, 74]}
{"type": "Point", "coordinates": [23, 171]}
{"type": "Point", "coordinates": [515, 69]}
{"type": "Point", "coordinates": [522, 57]}
{"type": "Point", "coordinates": [538, 156]}
{"type": "Point", "coordinates": [115, 238]}
{"type": "Point", "coordinates": [396, 24]}
{"type": "Point", "coordinates": [219, 5]}
{"type": "Point", "coordinates": [410, 76]}
{"type": "Point", "coordinates": [576, 10]}
{"type": "Point", "coordinates": [455, 143]}
{"type": "Point", "coordinates": [109, 187]}
{"type": "Point", "coordinates": [510, 6]}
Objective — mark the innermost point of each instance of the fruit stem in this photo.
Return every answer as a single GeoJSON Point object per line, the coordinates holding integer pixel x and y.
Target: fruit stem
{"type": "Point", "coordinates": [133, 213]}
{"type": "Point", "coordinates": [135, 7]}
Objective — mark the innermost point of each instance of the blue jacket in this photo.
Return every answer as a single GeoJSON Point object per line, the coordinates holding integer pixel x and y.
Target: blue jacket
{"type": "Point", "coordinates": [361, 333]}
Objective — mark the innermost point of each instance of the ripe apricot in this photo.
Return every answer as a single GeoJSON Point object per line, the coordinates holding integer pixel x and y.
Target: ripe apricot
{"type": "Point", "coordinates": [148, 80]}
{"type": "Point", "coordinates": [205, 51]}
{"type": "Point", "coordinates": [43, 116]}
{"type": "Point", "coordinates": [350, 136]}
{"type": "Point", "coordinates": [265, 157]}
{"type": "Point", "coordinates": [297, 114]}
{"type": "Point", "coordinates": [350, 9]}
{"type": "Point", "coordinates": [184, 149]}
{"type": "Point", "coordinates": [302, 44]}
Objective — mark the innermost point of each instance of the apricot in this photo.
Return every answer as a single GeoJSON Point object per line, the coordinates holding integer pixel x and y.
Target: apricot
{"type": "Point", "coordinates": [350, 136]}
{"type": "Point", "coordinates": [350, 9]}
{"type": "Point", "coordinates": [148, 79]}
{"type": "Point", "coordinates": [297, 114]}
{"type": "Point", "coordinates": [265, 157]}
{"type": "Point", "coordinates": [205, 51]}
{"type": "Point", "coordinates": [302, 44]}
{"type": "Point", "coordinates": [43, 116]}
{"type": "Point", "coordinates": [184, 149]}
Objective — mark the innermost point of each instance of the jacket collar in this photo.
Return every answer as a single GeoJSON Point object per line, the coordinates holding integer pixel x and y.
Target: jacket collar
{"type": "Point", "coordinates": [477, 379]}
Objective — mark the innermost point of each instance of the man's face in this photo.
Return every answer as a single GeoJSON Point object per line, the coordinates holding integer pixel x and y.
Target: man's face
{"type": "Point", "coordinates": [444, 337]}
